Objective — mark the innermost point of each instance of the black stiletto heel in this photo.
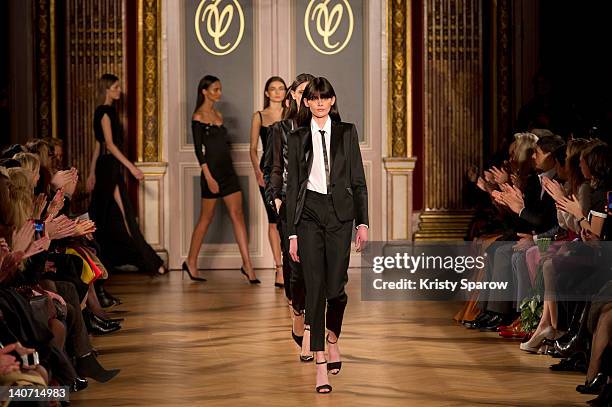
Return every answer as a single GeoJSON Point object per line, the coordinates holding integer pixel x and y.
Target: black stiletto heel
{"type": "Point", "coordinates": [333, 365]}
{"type": "Point", "coordinates": [191, 276]}
{"type": "Point", "coordinates": [254, 281]}
{"type": "Point", "coordinates": [306, 358]}
{"type": "Point", "coordinates": [278, 285]}
{"type": "Point", "coordinates": [328, 387]}
{"type": "Point", "coordinates": [298, 339]}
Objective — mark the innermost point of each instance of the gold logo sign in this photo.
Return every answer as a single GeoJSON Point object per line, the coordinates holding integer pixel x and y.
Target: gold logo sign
{"type": "Point", "coordinates": [216, 21]}
{"type": "Point", "coordinates": [326, 23]}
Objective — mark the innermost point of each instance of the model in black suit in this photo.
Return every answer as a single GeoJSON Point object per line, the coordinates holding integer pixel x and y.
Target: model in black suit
{"type": "Point", "coordinates": [275, 174]}
{"type": "Point", "coordinates": [326, 194]}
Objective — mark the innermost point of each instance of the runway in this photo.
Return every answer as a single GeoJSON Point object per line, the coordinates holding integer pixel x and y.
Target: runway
{"type": "Point", "coordinates": [226, 343]}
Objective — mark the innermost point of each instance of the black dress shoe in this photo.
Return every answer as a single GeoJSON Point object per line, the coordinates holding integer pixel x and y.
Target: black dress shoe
{"type": "Point", "coordinates": [88, 366]}
{"type": "Point", "coordinates": [494, 322]}
{"type": "Point", "coordinates": [113, 298]}
{"type": "Point", "coordinates": [574, 363]}
{"type": "Point", "coordinates": [107, 323]}
{"type": "Point", "coordinates": [104, 301]}
{"type": "Point", "coordinates": [577, 343]}
{"type": "Point", "coordinates": [480, 319]}
{"type": "Point", "coordinates": [594, 386]}
{"type": "Point", "coordinates": [483, 316]}
{"type": "Point", "coordinates": [605, 397]}
{"type": "Point", "coordinates": [94, 327]}
{"type": "Point", "coordinates": [79, 384]}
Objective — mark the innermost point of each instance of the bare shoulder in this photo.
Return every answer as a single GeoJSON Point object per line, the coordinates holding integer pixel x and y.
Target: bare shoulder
{"type": "Point", "coordinates": [198, 117]}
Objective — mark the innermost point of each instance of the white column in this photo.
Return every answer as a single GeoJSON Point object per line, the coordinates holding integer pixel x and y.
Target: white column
{"type": "Point", "coordinates": [399, 197]}
{"type": "Point", "coordinates": [151, 206]}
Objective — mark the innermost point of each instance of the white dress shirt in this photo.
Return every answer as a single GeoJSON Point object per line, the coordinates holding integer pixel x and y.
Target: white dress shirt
{"type": "Point", "coordinates": [548, 174]}
{"type": "Point", "coordinates": [317, 180]}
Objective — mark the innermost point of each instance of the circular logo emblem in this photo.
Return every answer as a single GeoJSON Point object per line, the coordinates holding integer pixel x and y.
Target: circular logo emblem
{"type": "Point", "coordinates": [213, 23]}
{"type": "Point", "coordinates": [328, 25]}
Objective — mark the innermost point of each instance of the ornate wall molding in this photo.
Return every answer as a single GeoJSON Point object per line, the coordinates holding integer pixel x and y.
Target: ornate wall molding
{"type": "Point", "coordinates": [399, 164]}
{"type": "Point", "coordinates": [501, 75]}
{"type": "Point", "coordinates": [400, 78]}
{"type": "Point", "coordinates": [149, 30]}
{"type": "Point", "coordinates": [43, 56]}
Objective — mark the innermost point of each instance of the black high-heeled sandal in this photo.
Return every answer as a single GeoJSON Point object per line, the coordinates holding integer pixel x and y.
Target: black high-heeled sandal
{"type": "Point", "coordinates": [322, 387]}
{"type": "Point", "coordinates": [254, 281]}
{"type": "Point", "coordinates": [191, 276]}
{"type": "Point", "coordinates": [333, 365]}
{"type": "Point", "coordinates": [306, 358]}
{"type": "Point", "coordinates": [298, 339]}
{"type": "Point", "coordinates": [278, 285]}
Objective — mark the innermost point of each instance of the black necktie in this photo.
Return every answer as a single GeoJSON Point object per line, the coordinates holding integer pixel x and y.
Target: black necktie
{"type": "Point", "coordinates": [327, 178]}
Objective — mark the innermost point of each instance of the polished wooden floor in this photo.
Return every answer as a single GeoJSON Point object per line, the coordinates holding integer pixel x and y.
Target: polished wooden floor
{"type": "Point", "coordinates": [226, 343]}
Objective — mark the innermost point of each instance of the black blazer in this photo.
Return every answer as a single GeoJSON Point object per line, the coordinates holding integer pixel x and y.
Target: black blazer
{"type": "Point", "coordinates": [348, 185]}
{"type": "Point", "coordinates": [540, 211]}
{"type": "Point", "coordinates": [275, 161]}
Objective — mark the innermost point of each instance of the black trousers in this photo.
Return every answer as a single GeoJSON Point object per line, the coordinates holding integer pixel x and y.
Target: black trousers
{"type": "Point", "coordinates": [324, 245]}
{"type": "Point", "coordinates": [292, 271]}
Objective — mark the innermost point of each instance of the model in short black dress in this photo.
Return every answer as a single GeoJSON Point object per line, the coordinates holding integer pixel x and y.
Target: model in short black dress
{"type": "Point", "coordinates": [118, 245]}
{"type": "Point", "coordinates": [263, 135]}
{"type": "Point", "coordinates": [213, 149]}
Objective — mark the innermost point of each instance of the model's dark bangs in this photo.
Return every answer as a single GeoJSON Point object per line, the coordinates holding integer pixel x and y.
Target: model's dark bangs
{"type": "Point", "coordinates": [320, 88]}
{"type": "Point", "coordinates": [321, 95]}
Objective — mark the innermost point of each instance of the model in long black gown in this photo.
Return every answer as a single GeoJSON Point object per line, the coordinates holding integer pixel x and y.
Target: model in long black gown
{"type": "Point", "coordinates": [119, 246]}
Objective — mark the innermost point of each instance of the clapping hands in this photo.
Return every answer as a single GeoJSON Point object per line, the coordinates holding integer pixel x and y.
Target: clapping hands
{"type": "Point", "coordinates": [66, 180]}
{"type": "Point", "coordinates": [571, 205]}
{"type": "Point", "coordinates": [500, 176]}
{"type": "Point", "coordinates": [84, 227]}
{"type": "Point", "coordinates": [553, 188]}
{"type": "Point", "coordinates": [60, 227]}
{"type": "Point", "coordinates": [56, 204]}
{"type": "Point", "coordinates": [510, 196]}
{"type": "Point", "coordinates": [23, 237]}
{"type": "Point", "coordinates": [39, 205]}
